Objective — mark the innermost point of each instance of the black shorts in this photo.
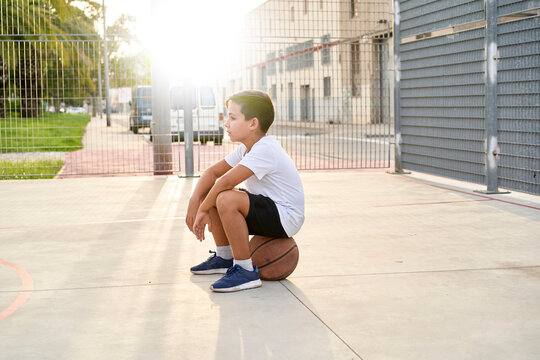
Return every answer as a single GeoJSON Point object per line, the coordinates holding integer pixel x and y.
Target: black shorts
{"type": "Point", "coordinates": [263, 217]}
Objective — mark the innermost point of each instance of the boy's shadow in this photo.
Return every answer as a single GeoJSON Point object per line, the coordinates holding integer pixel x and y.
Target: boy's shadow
{"type": "Point", "coordinates": [268, 323]}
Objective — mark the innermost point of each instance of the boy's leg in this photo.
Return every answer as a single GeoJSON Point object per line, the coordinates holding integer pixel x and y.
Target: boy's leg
{"type": "Point", "coordinates": [233, 208]}
{"type": "Point", "coordinates": [219, 263]}
{"type": "Point", "coordinates": [223, 249]}
{"type": "Point", "coordinates": [218, 233]}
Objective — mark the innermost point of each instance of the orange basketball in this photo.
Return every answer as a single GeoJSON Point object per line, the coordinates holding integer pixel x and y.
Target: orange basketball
{"type": "Point", "coordinates": [276, 258]}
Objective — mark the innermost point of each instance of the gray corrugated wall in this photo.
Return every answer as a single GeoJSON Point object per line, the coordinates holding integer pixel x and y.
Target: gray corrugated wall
{"type": "Point", "coordinates": [420, 16]}
{"type": "Point", "coordinates": [442, 92]}
{"type": "Point", "coordinates": [518, 104]}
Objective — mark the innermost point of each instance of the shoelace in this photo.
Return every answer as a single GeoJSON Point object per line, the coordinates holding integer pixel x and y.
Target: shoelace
{"type": "Point", "coordinates": [213, 256]}
{"type": "Point", "coordinates": [232, 270]}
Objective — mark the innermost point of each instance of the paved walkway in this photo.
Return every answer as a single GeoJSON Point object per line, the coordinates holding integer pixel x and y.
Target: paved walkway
{"type": "Point", "coordinates": [391, 267]}
{"type": "Point", "coordinates": [109, 150]}
{"type": "Point", "coordinates": [115, 150]}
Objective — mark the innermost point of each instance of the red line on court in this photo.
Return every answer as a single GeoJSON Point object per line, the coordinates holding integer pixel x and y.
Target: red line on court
{"type": "Point", "coordinates": [472, 194]}
{"type": "Point", "coordinates": [433, 203]}
{"type": "Point", "coordinates": [27, 285]}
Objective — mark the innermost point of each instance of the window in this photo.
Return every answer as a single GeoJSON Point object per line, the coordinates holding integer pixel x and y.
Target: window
{"type": "Point", "coordinates": [144, 98]}
{"type": "Point", "coordinates": [302, 56]}
{"type": "Point", "coordinates": [207, 96]}
{"type": "Point", "coordinates": [292, 13]}
{"type": "Point", "coordinates": [327, 86]}
{"type": "Point", "coordinates": [355, 68]}
{"type": "Point", "coordinates": [325, 53]}
{"type": "Point", "coordinates": [263, 78]}
{"type": "Point", "coordinates": [177, 98]}
{"type": "Point", "coordinates": [354, 8]}
{"type": "Point", "coordinates": [306, 6]}
{"type": "Point", "coordinates": [273, 92]}
{"type": "Point", "coordinates": [271, 63]}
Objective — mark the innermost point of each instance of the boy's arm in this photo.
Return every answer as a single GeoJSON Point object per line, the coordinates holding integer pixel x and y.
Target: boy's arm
{"type": "Point", "coordinates": [205, 183]}
{"type": "Point", "coordinates": [227, 182]}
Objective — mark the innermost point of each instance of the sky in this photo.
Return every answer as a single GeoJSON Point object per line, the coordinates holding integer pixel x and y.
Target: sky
{"type": "Point", "coordinates": [206, 27]}
{"type": "Point", "coordinates": [139, 7]}
{"type": "Point", "coordinates": [228, 11]}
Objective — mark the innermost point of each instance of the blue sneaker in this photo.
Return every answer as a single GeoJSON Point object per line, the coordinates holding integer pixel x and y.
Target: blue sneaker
{"type": "Point", "coordinates": [237, 278]}
{"type": "Point", "coordinates": [213, 265]}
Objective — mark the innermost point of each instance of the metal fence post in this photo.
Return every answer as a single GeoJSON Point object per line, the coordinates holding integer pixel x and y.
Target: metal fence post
{"type": "Point", "coordinates": [491, 141]}
{"type": "Point", "coordinates": [398, 167]}
{"type": "Point", "coordinates": [106, 70]}
{"type": "Point", "coordinates": [188, 127]}
{"type": "Point", "coordinates": [161, 113]}
{"type": "Point", "coordinates": [100, 95]}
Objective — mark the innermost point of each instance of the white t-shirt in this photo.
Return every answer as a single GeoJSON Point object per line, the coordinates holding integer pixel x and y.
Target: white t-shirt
{"type": "Point", "coordinates": [274, 176]}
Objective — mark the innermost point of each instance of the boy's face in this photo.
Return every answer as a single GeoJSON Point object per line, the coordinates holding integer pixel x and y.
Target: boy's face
{"type": "Point", "coordinates": [238, 128]}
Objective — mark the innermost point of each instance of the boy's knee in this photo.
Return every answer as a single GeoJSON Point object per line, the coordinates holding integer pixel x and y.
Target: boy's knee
{"type": "Point", "coordinates": [231, 200]}
{"type": "Point", "coordinates": [225, 200]}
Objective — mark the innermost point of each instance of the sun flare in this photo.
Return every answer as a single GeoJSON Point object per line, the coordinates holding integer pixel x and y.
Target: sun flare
{"type": "Point", "coordinates": [198, 41]}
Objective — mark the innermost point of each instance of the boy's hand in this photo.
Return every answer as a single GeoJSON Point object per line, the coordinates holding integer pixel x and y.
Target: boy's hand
{"type": "Point", "coordinates": [199, 225]}
{"type": "Point", "coordinates": [193, 207]}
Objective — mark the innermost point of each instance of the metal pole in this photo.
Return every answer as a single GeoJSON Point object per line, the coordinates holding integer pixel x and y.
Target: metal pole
{"type": "Point", "coordinates": [491, 145]}
{"type": "Point", "coordinates": [100, 103]}
{"type": "Point", "coordinates": [398, 167]}
{"type": "Point", "coordinates": [188, 127]}
{"type": "Point", "coordinates": [161, 107]}
{"type": "Point", "coordinates": [106, 70]}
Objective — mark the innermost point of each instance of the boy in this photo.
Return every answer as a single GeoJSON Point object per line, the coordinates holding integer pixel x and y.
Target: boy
{"type": "Point", "coordinates": [272, 205]}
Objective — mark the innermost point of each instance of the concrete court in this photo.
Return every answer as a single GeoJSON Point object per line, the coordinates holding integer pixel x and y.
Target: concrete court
{"type": "Point", "coordinates": [391, 267]}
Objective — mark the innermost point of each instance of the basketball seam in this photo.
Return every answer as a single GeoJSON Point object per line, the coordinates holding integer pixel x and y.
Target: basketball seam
{"type": "Point", "coordinates": [267, 241]}
{"type": "Point", "coordinates": [273, 261]}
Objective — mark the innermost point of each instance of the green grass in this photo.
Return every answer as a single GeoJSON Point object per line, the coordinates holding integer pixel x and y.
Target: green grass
{"type": "Point", "coordinates": [49, 132]}
{"type": "Point", "coordinates": [38, 169]}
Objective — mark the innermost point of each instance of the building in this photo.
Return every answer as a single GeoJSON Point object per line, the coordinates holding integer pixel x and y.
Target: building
{"type": "Point", "coordinates": [323, 61]}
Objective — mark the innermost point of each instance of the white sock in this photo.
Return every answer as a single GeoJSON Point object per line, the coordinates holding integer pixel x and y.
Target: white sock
{"type": "Point", "coordinates": [246, 264]}
{"type": "Point", "coordinates": [224, 252]}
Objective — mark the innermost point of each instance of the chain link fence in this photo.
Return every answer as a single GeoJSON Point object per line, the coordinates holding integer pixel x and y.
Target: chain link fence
{"type": "Point", "coordinates": [78, 98]}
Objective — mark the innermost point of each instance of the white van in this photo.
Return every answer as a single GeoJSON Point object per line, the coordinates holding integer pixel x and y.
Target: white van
{"type": "Point", "coordinates": [207, 120]}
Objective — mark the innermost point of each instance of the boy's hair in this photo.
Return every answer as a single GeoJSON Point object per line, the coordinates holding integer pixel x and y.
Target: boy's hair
{"type": "Point", "coordinates": [255, 103]}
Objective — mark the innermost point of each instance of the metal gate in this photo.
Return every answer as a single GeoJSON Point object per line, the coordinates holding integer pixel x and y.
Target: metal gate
{"type": "Point", "coordinates": [468, 91]}
{"type": "Point", "coordinates": [81, 99]}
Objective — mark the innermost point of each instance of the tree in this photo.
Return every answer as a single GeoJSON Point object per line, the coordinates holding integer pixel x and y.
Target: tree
{"type": "Point", "coordinates": [3, 79]}
{"type": "Point", "coordinates": [127, 59]}
{"type": "Point", "coordinates": [26, 23]}
{"type": "Point", "coordinates": [29, 82]}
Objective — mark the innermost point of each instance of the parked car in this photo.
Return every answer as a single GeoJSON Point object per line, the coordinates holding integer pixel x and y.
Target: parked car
{"type": "Point", "coordinates": [207, 120]}
{"type": "Point", "coordinates": [75, 110]}
{"type": "Point", "coordinates": [141, 108]}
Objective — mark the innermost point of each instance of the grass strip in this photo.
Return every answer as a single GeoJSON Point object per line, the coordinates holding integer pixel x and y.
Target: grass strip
{"type": "Point", "coordinates": [49, 132]}
{"type": "Point", "coordinates": [26, 169]}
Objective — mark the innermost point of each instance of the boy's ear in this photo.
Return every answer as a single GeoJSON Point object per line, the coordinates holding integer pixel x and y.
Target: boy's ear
{"type": "Point", "coordinates": [254, 123]}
